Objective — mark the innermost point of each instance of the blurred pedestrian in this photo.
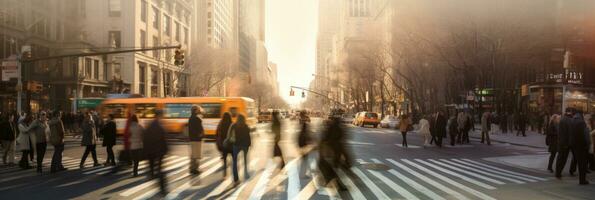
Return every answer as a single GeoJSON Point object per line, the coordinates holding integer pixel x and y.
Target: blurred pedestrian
{"type": "Point", "coordinates": [8, 134]}
{"type": "Point", "coordinates": [591, 158]}
{"type": "Point", "coordinates": [333, 153]}
{"type": "Point", "coordinates": [551, 139]}
{"type": "Point", "coordinates": [432, 120]}
{"type": "Point", "coordinates": [57, 140]}
{"type": "Point", "coordinates": [440, 124]}
{"type": "Point", "coordinates": [109, 139]}
{"type": "Point", "coordinates": [195, 134]}
{"type": "Point", "coordinates": [276, 130]}
{"type": "Point", "coordinates": [486, 127]}
{"type": "Point", "coordinates": [462, 119]}
{"type": "Point", "coordinates": [564, 133]}
{"type": "Point", "coordinates": [404, 126]}
{"type": "Point", "coordinates": [89, 140]}
{"type": "Point", "coordinates": [240, 140]}
{"type": "Point", "coordinates": [424, 130]}
{"type": "Point", "coordinates": [25, 141]}
{"type": "Point", "coordinates": [522, 124]}
{"type": "Point", "coordinates": [504, 122]}
{"type": "Point", "coordinates": [579, 142]}
{"type": "Point", "coordinates": [304, 141]}
{"type": "Point", "coordinates": [135, 144]}
{"type": "Point", "coordinates": [454, 129]}
{"type": "Point", "coordinates": [222, 130]}
{"type": "Point", "coordinates": [42, 132]}
{"type": "Point", "coordinates": [155, 148]}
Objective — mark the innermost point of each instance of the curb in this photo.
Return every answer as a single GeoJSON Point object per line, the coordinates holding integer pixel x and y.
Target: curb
{"type": "Point", "coordinates": [513, 143]}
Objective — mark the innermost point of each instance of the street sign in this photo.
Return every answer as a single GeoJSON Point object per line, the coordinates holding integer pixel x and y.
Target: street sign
{"type": "Point", "coordinates": [88, 103]}
{"type": "Point", "coordinates": [9, 70]}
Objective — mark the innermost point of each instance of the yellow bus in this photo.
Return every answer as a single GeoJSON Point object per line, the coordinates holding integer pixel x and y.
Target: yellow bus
{"type": "Point", "coordinates": [176, 111]}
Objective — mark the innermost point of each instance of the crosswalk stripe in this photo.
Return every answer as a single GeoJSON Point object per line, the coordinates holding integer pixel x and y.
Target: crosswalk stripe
{"type": "Point", "coordinates": [468, 172]}
{"type": "Point", "coordinates": [293, 174]}
{"type": "Point", "coordinates": [448, 180]}
{"type": "Point", "coordinates": [377, 191]}
{"type": "Point", "coordinates": [493, 174]}
{"type": "Point", "coordinates": [409, 146]}
{"type": "Point", "coordinates": [307, 192]}
{"type": "Point", "coordinates": [178, 163]}
{"type": "Point", "coordinates": [142, 166]}
{"type": "Point", "coordinates": [428, 180]}
{"type": "Point", "coordinates": [264, 178]}
{"type": "Point", "coordinates": [220, 188]}
{"type": "Point", "coordinates": [351, 187]}
{"type": "Point", "coordinates": [470, 180]}
{"type": "Point", "coordinates": [507, 171]}
{"type": "Point", "coordinates": [413, 184]}
{"type": "Point", "coordinates": [396, 187]}
{"type": "Point", "coordinates": [176, 192]}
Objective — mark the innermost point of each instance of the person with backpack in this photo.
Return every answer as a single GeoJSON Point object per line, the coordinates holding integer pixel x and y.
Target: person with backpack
{"type": "Point", "coordinates": [240, 140]}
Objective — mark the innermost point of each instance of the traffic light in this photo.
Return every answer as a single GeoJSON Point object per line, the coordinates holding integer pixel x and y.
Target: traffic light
{"type": "Point", "coordinates": [34, 86]}
{"type": "Point", "coordinates": [303, 94]}
{"type": "Point", "coordinates": [291, 92]}
{"type": "Point", "coordinates": [179, 57]}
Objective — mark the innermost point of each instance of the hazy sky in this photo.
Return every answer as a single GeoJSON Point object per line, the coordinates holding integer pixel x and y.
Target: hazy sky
{"type": "Point", "coordinates": [291, 27]}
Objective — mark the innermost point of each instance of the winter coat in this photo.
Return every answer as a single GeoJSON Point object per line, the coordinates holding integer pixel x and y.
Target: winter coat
{"type": "Point", "coordinates": [580, 137]}
{"type": "Point", "coordinates": [404, 124]}
{"type": "Point", "coordinates": [453, 126]}
{"type": "Point", "coordinates": [8, 131]}
{"type": "Point", "coordinates": [424, 127]}
{"type": "Point", "coordinates": [462, 119]}
{"type": "Point", "coordinates": [551, 138]}
{"type": "Point", "coordinates": [195, 129]}
{"type": "Point", "coordinates": [136, 136]}
{"type": "Point", "coordinates": [440, 126]}
{"type": "Point", "coordinates": [109, 133]}
{"type": "Point", "coordinates": [304, 136]}
{"type": "Point", "coordinates": [89, 134]}
{"type": "Point", "coordinates": [486, 124]}
{"type": "Point", "coordinates": [154, 140]}
{"type": "Point", "coordinates": [242, 135]}
{"type": "Point", "coordinates": [56, 131]}
{"type": "Point", "coordinates": [222, 130]}
{"type": "Point", "coordinates": [26, 137]}
{"type": "Point", "coordinates": [42, 131]}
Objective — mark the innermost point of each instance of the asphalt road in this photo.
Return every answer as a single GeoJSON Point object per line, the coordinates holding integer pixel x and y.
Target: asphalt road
{"type": "Point", "coordinates": [382, 170]}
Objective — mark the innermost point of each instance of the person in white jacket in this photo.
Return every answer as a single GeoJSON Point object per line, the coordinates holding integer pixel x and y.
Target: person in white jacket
{"type": "Point", "coordinates": [424, 129]}
{"type": "Point", "coordinates": [25, 140]}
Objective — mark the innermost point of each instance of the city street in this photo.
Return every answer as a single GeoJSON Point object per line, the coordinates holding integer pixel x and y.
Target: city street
{"type": "Point", "coordinates": [383, 170]}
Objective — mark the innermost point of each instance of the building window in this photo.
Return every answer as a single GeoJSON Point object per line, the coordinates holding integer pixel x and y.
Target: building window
{"type": "Point", "coordinates": [166, 25]}
{"type": "Point", "coordinates": [143, 11]}
{"type": "Point", "coordinates": [143, 39]}
{"type": "Point", "coordinates": [88, 67]}
{"type": "Point", "coordinates": [155, 44]}
{"type": "Point", "coordinates": [155, 18]}
{"type": "Point", "coordinates": [96, 69]}
{"type": "Point", "coordinates": [186, 36]}
{"type": "Point", "coordinates": [142, 78]}
{"type": "Point", "coordinates": [115, 39]}
{"type": "Point", "coordinates": [115, 8]}
{"type": "Point", "coordinates": [177, 31]}
{"type": "Point", "coordinates": [154, 75]}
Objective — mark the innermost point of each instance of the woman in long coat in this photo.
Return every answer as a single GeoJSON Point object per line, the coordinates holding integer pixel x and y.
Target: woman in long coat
{"type": "Point", "coordinates": [109, 139]}
{"type": "Point", "coordinates": [404, 127]}
{"type": "Point", "coordinates": [424, 129]}
{"type": "Point", "coordinates": [551, 139]}
{"type": "Point", "coordinates": [89, 140]}
{"type": "Point", "coordinates": [25, 141]}
{"type": "Point", "coordinates": [222, 129]}
{"type": "Point", "coordinates": [276, 129]}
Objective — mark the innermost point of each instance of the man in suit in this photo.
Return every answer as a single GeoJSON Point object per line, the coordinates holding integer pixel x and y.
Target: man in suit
{"type": "Point", "coordinates": [564, 132]}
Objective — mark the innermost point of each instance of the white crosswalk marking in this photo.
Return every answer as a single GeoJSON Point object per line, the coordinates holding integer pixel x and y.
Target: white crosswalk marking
{"type": "Point", "coordinates": [264, 178]}
{"type": "Point", "coordinates": [409, 146]}
{"type": "Point", "coordinates": [468, 172]}
{"type": "Point", "coordinates": [396, 187]}
{"type": "Point", "coordinates": [470, 180]}
{"type": "Point", "coordinates": [484, 172]}
{"type": "Point", "coordinates": [412, 183]}
{"type": "Point", "coordinates": [428, 180]}
{"type": "Point", "coordinates": [507, 171]}
{"type": "Point", "coordinates": [377, 191]}
{"type": "Point", "coordinates": [351, 187]}
{"type": "Point", "coordinates": [450, 181]}
{"type": "Point", "coordinates": [494, 173]}
{"type": "Point", "coordinates": [293, 174]}
{"type": "Point", "coordinates": [225, 184]}
{"type": "Point", "coordinates": [179, 162]}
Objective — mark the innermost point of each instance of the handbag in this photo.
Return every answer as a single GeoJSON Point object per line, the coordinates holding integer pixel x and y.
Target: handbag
{"type": "Point", "coordinates": [230, 139]}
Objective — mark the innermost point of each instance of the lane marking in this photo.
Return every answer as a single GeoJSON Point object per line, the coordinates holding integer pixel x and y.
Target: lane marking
{"type": "Point", "coordinates": [179, 163]}
{"type": "Point", "coordinates": [221, 187]}
{"type": "Point", "coordinates": [508, 171]}
{"type": "Point", "coordinates": [265, 177]}
{"type": "Point", "coordinates": [481, 171]}
{"type": "Point", "coordinates": [468, 172]}
{"type": "Point", "coordinates": [377, 191]}
{"type": "Point", "coordinates": [409, 146]}
{"type": "Point", "coordinates": [412, 183]}
{"type": "Point", "coordinates": [351, 187]}
{"type": "Point", "coordinates": [470, 180]}
{"type": "Point", "coordinates": [450, 181]}
{"type": "Point", "coordinates": [428, 180]}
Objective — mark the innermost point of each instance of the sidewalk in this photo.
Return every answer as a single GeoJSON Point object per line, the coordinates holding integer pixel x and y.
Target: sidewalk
{"type": "Point", "coordinates": [533, 139]}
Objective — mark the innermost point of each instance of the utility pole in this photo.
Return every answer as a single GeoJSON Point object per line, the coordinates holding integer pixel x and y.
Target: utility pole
{"type": "Point", "coordinates": [25, 50]}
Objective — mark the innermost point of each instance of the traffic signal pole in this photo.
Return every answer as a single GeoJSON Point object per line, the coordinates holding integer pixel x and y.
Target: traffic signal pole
{"type": "Point", "coordinates": [21, 60]}
{"type": "Point", "coordinates": [319, 94]}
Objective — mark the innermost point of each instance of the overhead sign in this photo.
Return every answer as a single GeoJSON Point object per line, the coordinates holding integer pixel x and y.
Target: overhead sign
{"type": "Point", "coordinates": [88, 103]}
{"type": "Point", "coordinates": [9, 70]}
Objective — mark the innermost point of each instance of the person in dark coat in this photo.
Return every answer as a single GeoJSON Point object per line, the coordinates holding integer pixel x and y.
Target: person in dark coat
{"type": "Point", "coordinates": [57, 140]}
{"type": "Point", "coordinates": [89, 140]}
{"type": "Point", "coordinates": [333, 153]}
{"type": "Point", "coordinates": [222, 129]}
{"type": "Point", "coordinates": [155, 148]}
{"type": "Point", "coordinates": [239, 133]}
{"type": "Point", "coordinates": [522, 123]}
{"type": "Point", "coordinates": [551, 139]}
{"type": "Point", "coordinates": [42, 132]}
{"type": "Point", "coordinates": [564, 131]}
{"type": "Point", "coordinates": [8, 134]}
{"type": "Point", "coordinates": [276, 129]}
{"type": "Point", "coordinates": [432, 120]}
{"type": "Point", "coordinates": [440, 128]}
{"type": "Point", "coordinates": [109, 139]}
{"type": "Point", "coordinates": [304, 140]}
{"type": "Point", "coordinates": [579, 142]}
{"type": "Point", "coordinates": [453, 130]}
{"type": "Point", "coordinates": [195, 134]}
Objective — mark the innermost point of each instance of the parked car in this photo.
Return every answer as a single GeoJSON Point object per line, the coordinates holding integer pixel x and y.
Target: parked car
{"type": "Point", "coordinates": [347, 118]}
{"type": "Point", "coordinates": [367, 118]}
{"type": "Point", "coordinates": [389, 121]}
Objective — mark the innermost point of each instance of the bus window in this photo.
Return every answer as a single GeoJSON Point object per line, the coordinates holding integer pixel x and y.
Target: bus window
{"type": "Point", "coordinates": [250, 111]}
{"type": "Point", "coordinates": [177, 110]}
{"type": "Point", "coordinates": [211, 110]}
{"type": "Point", "coordinates": [118, 110]}
{"type": "Point", "coordinates": [145, 110]}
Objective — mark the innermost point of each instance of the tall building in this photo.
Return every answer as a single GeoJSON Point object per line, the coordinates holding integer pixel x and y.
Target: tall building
{"type": "Point", "coordinates": [216, 23]}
